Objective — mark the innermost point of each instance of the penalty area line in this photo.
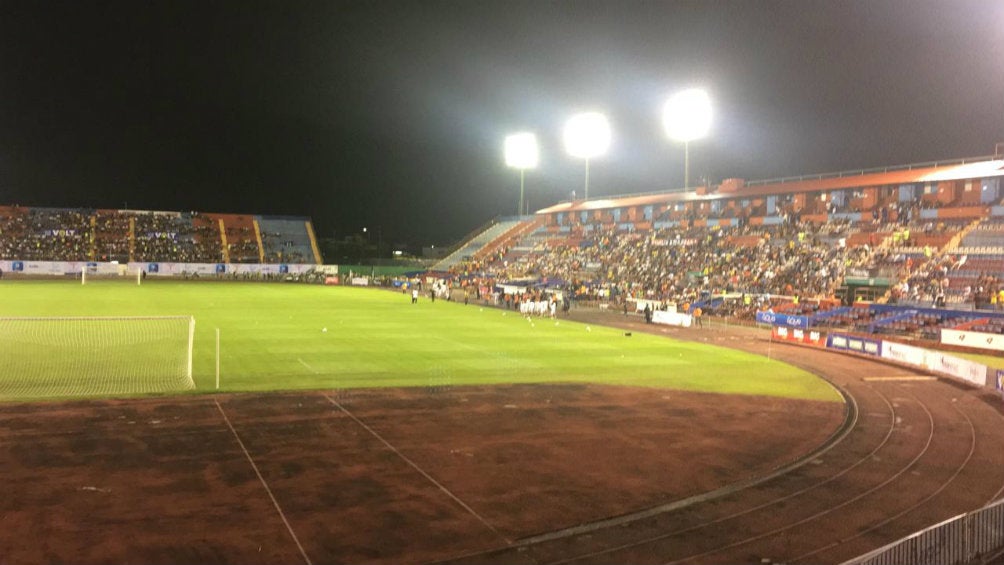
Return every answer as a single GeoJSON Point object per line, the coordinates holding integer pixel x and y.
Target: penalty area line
{"type": "Point", "coordinates": [263, 483]}
{"type": "Point", "coordinates": [414, 466]}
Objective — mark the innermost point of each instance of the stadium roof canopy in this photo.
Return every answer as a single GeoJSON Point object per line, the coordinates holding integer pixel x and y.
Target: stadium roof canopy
{"type": "Point", "coordinates": [909, 174]}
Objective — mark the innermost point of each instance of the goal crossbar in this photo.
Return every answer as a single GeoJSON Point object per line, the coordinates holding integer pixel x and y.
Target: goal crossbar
{"type": "Point", "coordinates": [95, 355]}
{"type": "Point", "coordinates": [122, 272]}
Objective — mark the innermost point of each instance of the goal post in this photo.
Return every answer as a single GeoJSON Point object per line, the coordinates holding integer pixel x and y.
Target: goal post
{"type": "Point", "coordinates": [95, 356]}
{"type": "Point", "coordinates": [110, 271]}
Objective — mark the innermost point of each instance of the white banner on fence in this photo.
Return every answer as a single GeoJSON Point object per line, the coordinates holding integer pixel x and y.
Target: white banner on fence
{"type": "Point", "coordinates": [936, 361]}
{"type": "Point", "coordinates": [47, 267]}
{"type": "Point", "coordinates": [903, 353]}
{"type": "Point", "coordinates": [512, 289]}
{"type": "Point", "coordinates": [360, 281]}
{"type": "Point", "coordinates": [978, 340]}
{"type": "Point", "coordinates": [957, 367]}
{"type": "Point", "coordinates": [639, 304]}
{"type": "Point", "coordinates": [672, 318]}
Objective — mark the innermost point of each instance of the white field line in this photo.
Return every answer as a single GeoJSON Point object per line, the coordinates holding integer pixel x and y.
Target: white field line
{"type": "Point", "coordinates": [419, 469]}
{"type": "Point", "coordinates": [264, 484]}
{"type": "Point", "coordinates": [309, 368]}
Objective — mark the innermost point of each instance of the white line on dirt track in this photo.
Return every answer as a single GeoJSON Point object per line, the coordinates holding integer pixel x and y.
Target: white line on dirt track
{"type": "Point", "coordinates": [906, 378]}
{"type": "Point", "coordinates": [264, 484]}
{"type": "Point", "coordinates": [419, 469]}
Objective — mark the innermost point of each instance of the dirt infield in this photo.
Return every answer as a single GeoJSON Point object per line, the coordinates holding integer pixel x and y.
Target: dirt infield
{"type": "Point", "coordinates": [508, 474]}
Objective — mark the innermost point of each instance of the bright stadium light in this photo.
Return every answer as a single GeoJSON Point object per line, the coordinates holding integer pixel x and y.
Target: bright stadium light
{"type": "Point", "coordinates": [587, 135]}
{"type": "Point", "coordinates": [521, 153]}
{"type": "Point", "coordinates": [686, 117]}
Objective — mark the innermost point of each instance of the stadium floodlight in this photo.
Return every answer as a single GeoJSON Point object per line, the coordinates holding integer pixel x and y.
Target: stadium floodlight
{"type": "Point", "coordinates": [686, 117]}
{"type": "Point", "coordinates": [521, 153]}
{"type": "Point", "coordinates": [587, 135]}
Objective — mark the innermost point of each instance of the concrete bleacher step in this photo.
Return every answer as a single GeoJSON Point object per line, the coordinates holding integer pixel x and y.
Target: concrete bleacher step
{"type": "Point", "coordinates": [472, 245]}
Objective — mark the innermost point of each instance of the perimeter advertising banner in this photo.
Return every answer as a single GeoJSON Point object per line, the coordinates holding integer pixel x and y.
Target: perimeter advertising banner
{"type": "Point", "coordinates": [782, 320]}
{"type": "Point", "coordinates": [672, 318]}
{"type": "Point", "coordinates": [902, 353]}
{"type": "Point", "coordinates": [798, 335]}
{"type": "Point", "coordinates": [47, 268]}
{"type": "Point", "coordinates": [957, 367]}
{"type": "Point", "coordinates": [935, 361]}
{"type": "Point", "coordinates": [640, 303]}
{"type": "Point", "coordinates": [977, 340]}
{"type": "Point", "coordinates": [854, 344]}
{"type": "Point", "coordinates": [61, 268]}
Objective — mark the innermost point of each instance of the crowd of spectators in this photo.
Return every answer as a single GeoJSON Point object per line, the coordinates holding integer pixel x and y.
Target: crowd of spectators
{"type": "Point", "coordinates": [176, 238]}
{"type": "Point", "coordinates": [988, 292]}
{"type": "Point", "coordinates": [279, 249]}
{"type": "Point", "coordinates": [242, 246]}
{"type": "Point", "coordinates": [678, 264]}
{"type": "Point", "coordinates": [790, 259]}
{"type": "Point", "coordinates": [111, 237]}
{"type": "Point", "coordinates": [41, 234]}
{"type": "Point", "coordinates": [48, 234]}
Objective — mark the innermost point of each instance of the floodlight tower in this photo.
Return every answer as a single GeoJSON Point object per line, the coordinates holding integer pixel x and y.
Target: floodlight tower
{"type": "Point", "coordinates": [587, 135]}
{"type": "Point", "coordinates": [686, 117]}
{"type": "Point", "coordinates": [521, 153]}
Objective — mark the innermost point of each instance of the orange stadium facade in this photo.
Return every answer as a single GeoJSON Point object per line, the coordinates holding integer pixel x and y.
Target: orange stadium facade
{"type": "Point", "coordinates": [962, 188]}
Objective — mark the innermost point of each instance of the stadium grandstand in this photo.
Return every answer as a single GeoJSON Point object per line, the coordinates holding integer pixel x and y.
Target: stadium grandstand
{"type": "Point", "coordinates": [925, 236]}
{"type": "Point", "coordinates": [135, 236]}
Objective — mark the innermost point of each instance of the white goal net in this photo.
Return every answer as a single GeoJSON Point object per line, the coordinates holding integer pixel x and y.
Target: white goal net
{"type": "Point", "coordinates": [54, 357]}
{"type": "Point", "coordinates": [109, 271]}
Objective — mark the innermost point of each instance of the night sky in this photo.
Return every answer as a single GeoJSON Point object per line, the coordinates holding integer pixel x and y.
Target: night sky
{"type": "Point", "coordinates": [391, 115]}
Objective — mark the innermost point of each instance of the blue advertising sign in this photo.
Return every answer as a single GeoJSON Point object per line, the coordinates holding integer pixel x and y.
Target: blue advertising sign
{"type": "Point", "coordinates": [221, 268]}
{"type": "Point", "coordinates": [153, 268]}
{"type": "Point", "coordinates": [283, 269]}
{"type": "Point", "coordinates": [17, 265]}
{"type": "Point", "coordinates": [782, 320]}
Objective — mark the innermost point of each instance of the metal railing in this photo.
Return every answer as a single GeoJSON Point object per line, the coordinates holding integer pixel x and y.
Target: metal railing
{"type": "Point", "coordinates": [970, 538]}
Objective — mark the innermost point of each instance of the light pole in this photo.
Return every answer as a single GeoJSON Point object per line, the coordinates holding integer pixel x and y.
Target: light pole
{"type": "Point", "coordinates": [521, 153]}
{"type": "Point", "coordinates": [586, 136]}
{"type": "Point", "coordinates": [686, 117]}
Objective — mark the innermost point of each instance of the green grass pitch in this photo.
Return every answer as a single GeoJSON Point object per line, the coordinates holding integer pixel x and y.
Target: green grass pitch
{"type": "Point", "coordinates": [272, 338]}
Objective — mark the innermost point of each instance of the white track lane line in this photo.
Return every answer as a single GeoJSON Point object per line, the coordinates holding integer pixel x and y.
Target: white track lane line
{"type": "Point", "coordinates": [263, 483]}
{"type": "Point", "coordinates": [419, 469]}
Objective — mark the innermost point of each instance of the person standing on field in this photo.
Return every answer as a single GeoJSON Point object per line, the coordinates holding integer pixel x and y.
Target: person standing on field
{"type": "Point", "coordinates": [414, 296]}
{"type": "Point", "coordinates": [697, 317]}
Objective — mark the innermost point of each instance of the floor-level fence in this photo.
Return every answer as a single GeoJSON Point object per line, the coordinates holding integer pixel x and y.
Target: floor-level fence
{"type": "Point", "coordinates": [970, 538]}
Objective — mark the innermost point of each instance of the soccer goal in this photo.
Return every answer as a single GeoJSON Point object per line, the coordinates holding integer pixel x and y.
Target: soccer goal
{"type": "Point", "coordinates": [109, 271]}
{"type": "Point", "coordinates": [50, 357]}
